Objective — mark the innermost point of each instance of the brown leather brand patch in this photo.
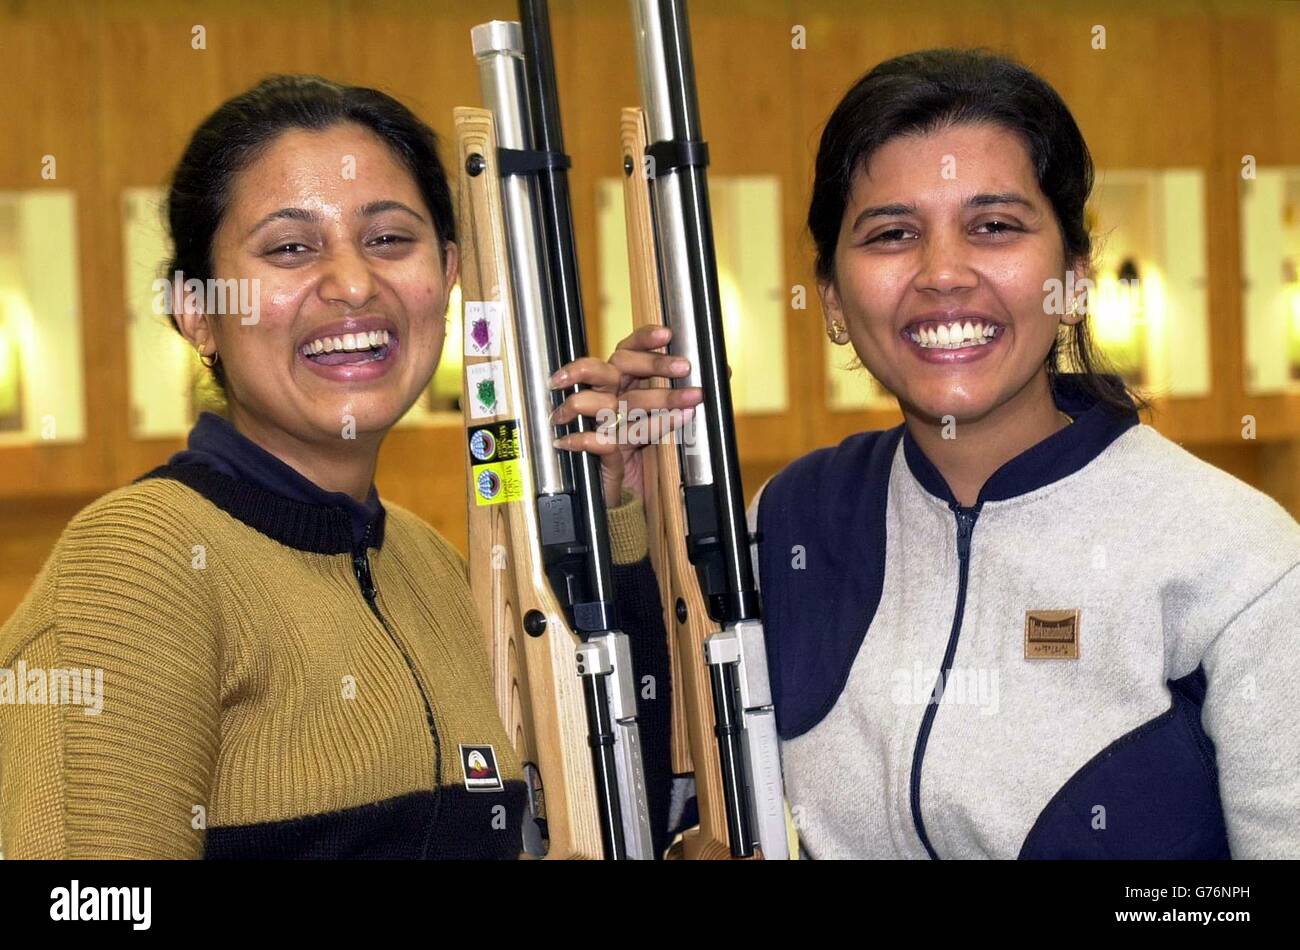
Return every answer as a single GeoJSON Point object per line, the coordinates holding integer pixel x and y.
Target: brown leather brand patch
{"type": "Point", "coordinates": [1051, 634]}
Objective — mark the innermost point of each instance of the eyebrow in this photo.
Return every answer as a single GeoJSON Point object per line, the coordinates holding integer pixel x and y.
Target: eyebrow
{"type": "Point", "coordinates": [387, 204]}
{"type": "Point", "coordinates": [975, 201]}
{"type": "Point", "coordinates": [311, 217]}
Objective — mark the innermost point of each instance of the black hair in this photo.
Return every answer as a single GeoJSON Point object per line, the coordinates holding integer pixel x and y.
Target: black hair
{"type": "Point", "coordinates": [242, 128]}
{"type": "Point", "coordinates": [928, 90]}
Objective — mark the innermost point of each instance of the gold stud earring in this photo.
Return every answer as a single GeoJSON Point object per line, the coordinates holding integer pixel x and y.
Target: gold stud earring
{"type": "Point", "coordinates": [835, 331]}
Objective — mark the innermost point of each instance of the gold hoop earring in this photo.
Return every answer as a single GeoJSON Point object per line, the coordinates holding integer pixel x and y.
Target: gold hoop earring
{"type": "Point", "coordinates": [835, 331]}
{"type": "Point", "coordinates": [203, 357]}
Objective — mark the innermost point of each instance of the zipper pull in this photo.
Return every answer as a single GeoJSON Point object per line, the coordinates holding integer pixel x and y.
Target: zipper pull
{"type": "Point", "coordinates": [965, 527]}
{"type": "Point", "coordinates": [361, 567]}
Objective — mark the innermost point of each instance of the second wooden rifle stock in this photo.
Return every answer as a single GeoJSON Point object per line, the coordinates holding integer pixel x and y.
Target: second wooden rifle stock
{"type": "Point", "coordinates": [701, 503]}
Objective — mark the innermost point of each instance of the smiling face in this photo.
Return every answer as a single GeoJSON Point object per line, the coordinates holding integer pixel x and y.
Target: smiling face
{"type": "Point", "coordinates": [345, 262]}
{"type": "Point", "coordinates": [943, 251]}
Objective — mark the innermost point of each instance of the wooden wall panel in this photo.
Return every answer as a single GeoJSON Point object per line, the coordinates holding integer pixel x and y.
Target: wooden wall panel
{"type": "Point", "coordinates": [51, 111]}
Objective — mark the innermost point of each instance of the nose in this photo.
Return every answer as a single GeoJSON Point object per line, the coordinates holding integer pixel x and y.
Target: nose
{"type": "Point", "coordinates": [945, 267]}
{"type": "Point", "coordinates": [348, 279]}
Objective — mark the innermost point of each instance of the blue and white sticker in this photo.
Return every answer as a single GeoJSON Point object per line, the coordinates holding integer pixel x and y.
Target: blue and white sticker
{"type": "Point", "coordinates": [482, 445]}
{"type": "Point", "coordinates": [488, 484]}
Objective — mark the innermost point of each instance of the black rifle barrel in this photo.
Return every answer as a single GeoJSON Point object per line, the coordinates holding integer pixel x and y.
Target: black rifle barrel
{"type": "Point", "coordinates": [734, 595]}
{"type": "Point", "coordinates": [556, 219]}
{"type": "Point", "coordinates": [601, 739]}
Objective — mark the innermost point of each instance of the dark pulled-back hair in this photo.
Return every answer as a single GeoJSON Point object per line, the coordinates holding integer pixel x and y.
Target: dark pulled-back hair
{"type": "Point", "coordinates": [929, 90]}
{"type": "Point", "coordinates": [242, 128]}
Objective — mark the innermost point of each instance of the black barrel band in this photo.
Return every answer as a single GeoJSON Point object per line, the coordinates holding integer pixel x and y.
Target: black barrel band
{"type": "Point", "coordinates": [527, 161]}
{"type": "Point", "coordinates": [673, 154]}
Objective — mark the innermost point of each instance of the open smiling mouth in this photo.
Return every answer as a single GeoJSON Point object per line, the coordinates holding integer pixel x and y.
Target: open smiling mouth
{"type": "Point", "coordinates": [953, 341]}
{"type": "Point", "coordinates": [351, 356]}
{"type": "Point", "coordinates": [351, 348]}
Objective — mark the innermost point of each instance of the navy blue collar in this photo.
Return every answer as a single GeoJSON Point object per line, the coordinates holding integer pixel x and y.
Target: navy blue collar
{"type": "Point", "coordinates": [1063, 453]}
{"type": "Point", "coordinates": [260, 489]}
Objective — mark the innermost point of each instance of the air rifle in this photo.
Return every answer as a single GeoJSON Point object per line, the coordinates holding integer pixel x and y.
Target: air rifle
{"type": "Point", "coordinates": [540, 564]}
{"type": "Point", "coordinates": [697, 517]}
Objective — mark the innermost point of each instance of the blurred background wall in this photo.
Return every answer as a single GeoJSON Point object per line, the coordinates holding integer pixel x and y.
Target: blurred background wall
{"type": "Point", "coordinates": [1175, 102]}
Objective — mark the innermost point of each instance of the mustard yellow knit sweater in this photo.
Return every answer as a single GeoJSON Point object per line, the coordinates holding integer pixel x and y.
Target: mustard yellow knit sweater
{"type": "Point", "coordinates": [253, 702]}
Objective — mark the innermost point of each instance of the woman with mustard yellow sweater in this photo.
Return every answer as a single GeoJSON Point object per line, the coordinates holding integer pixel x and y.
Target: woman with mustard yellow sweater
{"type": "Point", "coordinates": [289, 667]}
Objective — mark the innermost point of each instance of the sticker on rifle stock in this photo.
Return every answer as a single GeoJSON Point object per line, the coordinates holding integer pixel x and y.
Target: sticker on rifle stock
{"type": "Point", "coordinates": [494, 441]}
{"type": "Point", "coordinates": [494, 462]}
{"type": "Point", "coordinates": [482, 328]}
{"type": "Point", "coordinates": [482, 445]}
{"type": "Point", "coordinates": [478, 763]}
{"type": "Point", "coordinates": [487, 389]}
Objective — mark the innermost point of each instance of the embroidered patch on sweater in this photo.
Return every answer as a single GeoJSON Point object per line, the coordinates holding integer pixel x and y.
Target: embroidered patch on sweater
{"type": "Point", "coordinates": [1051, 634]}
{"type": "Point", "coordinates": [479, 764]}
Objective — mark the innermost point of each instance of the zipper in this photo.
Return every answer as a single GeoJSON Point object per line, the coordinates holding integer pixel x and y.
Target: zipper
{"type": "Point", "coordinates": [366, 580]}
{"type": "Point", "coordinates": [965, 527]}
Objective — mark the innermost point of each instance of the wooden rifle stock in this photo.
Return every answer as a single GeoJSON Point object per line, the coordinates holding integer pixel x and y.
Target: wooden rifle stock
{"type": "Point", "coordinates": [538, 694]}
{"type": "Point", "coordinates": [694, 748]}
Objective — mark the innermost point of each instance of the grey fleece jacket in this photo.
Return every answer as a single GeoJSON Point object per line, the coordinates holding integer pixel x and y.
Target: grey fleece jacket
{"type": "Point", "coordinates": [1099, 659]}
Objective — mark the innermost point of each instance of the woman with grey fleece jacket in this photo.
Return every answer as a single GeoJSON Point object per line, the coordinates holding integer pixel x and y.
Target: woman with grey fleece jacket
{"type": "Point", "coordinates": [1022, 623]}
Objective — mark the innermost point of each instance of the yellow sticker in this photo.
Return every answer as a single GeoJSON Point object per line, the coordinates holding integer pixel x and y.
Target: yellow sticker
{"type": "Point", "coordinates": [494, 457]}
{"type": "Point", "coordinates": [497, 482]}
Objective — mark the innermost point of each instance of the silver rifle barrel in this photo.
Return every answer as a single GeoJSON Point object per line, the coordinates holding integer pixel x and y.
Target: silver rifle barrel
{"type": "Point", "coordinates": [669, 219]}
{"type": "Point", "coordinates": [499, 50]}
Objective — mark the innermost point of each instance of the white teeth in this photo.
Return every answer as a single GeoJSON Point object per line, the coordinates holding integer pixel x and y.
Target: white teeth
{"type": "Point", "coordinates": [372, 339]}
{"type": "Point", "coordinates": [954, 336]}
